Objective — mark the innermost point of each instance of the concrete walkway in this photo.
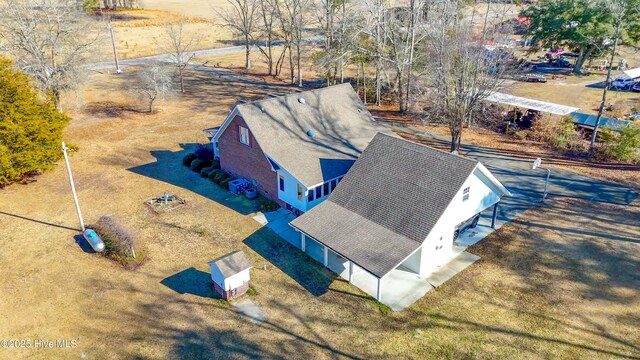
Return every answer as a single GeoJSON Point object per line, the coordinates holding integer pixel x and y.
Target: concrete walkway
{"type": "Point", "coordinates": [278, 221]}
{"type": "Point", "coordinates": [251, 310]}
{"type": "Point", "coordinates": [450, 269]}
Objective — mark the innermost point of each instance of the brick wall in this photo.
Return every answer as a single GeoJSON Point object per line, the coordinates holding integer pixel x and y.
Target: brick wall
{"type": "Point", "coordinates": [249, 162]}
{"type": "Point", "coordinates": [233, 293]}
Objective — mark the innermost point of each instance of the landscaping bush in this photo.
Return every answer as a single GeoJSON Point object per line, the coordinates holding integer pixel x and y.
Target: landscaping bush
{"type": "Point", "coordinates": [212, 171]}
{"type": "Point", "coordinates": [119, 242]}
{"type": "Point", "coordinates": [225, 183]}
{"type": "Point", "coordinates": [621, 146]}
{"type": "Point", "coordinates": [215, 165]}
{"type": "Point", "coordinates": [197, 165]}
{"type": "Point", "coordinates": [205, 171]}
{"type": "Point", "coordinates": [205, 153]}
{"type": "Point", "coordinates": [560, 135]}
{"type": "Point", "coordinates": [30, 127]}
{"type": "Point", "coordinates": [213, 174]}
{"type": "Point", "coordinates": [268, 205]}
{"type": "Point", "coordinates": [220, 175]}
{"type": "Point", "coordinates": [187, 159]}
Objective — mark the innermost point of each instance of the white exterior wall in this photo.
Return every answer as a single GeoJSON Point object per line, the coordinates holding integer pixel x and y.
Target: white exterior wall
{"type": "Point", "coordinates": [236, 280]}
{"type": "Point", "coordinates": [481, 197]}
{"type": "Point", "coordinates": [231, 282]}
{"type": "Point", "coordinates": [413, 262]}
{"type": "Point", "coordinates": [290, 193]}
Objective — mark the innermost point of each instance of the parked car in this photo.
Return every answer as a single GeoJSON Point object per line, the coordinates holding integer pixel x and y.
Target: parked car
{"type": "Point", "coordinates": [467, 224]}
{"type": "Point", "coordinates": [562, 62]}
{"type": "Point", "coordinates": [532, 78]}
{"type": "Point", "coordinates": [623, 84]}
{"type": "Point", "coordinates": [636, 87]}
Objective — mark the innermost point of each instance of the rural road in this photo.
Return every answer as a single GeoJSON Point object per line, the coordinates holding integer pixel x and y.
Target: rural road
{"type": "Point", "coordinates": [162, 58]}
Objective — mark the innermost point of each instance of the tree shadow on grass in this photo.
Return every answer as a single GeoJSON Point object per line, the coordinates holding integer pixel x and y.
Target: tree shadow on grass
{"type": "Point", "coordinates": [304, 270]}
{"type": "Point", "coordinates": [191, 281]}
{"type": "Point", "coordinates": [168, 168]}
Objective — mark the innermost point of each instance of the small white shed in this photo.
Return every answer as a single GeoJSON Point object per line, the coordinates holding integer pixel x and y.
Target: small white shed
{"type": "Point", "coordinates": [230, 274]}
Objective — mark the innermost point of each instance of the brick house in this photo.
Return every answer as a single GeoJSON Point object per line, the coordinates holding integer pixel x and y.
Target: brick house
{"type": "Point", "coordinates": [297, 147]}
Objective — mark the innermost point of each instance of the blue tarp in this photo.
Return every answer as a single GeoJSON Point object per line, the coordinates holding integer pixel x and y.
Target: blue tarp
{"type": "Point", "coordinates": [589, 120]}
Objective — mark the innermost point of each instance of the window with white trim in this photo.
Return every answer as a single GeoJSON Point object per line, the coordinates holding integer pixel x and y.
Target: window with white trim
{"type": "Point", "coordinates": [244, 135]}
{"type": "Point", "coordinates": [465, 193]}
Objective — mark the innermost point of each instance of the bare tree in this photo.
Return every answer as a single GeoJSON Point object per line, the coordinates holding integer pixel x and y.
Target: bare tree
{"type": "Point", "coordinates": [294, 19]}
{"type": "Point", "coordinates": [153, 83]}
{"type": "Point", "coordinates": [49, 40]}
{"type": "Point", "coordinates": [401, 39]}
{"type": "Point", "coordinates": [180, 47]}
{"type": "Point", "coordinates": [241, 18]}
{"type": "Point", "coordinates": [375, 14]}
{"type": "Point", "coordinates": [340, 22]}
{"type": "Point", "coordinates": [267, 34]}
{"type": "Point", "coordinates": [463, 72]}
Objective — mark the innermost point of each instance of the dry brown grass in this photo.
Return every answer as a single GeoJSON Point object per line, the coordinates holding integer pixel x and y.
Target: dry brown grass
{"type": "Point", "coordinates": [558, 283]}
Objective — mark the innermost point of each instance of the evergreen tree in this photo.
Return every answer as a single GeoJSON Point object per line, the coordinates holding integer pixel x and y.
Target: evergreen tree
{"type": "Point", "coordinates": [30, 127]}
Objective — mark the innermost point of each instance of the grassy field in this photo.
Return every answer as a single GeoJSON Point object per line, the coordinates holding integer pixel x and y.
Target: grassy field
{"type": "Point", "coordinates": [561, 282]}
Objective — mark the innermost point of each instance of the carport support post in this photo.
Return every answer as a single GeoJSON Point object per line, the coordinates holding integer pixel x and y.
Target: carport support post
{"type": "Point", "coordinates": [326, 256]}
{"type": "Point", "coordinates": [495, 214]}
{"type": "Point", "coordinates": [302, 242]}
{"type": "Point", "coordinates": [379, 291]}
{"type": "Point", "coordinates": [350, 271]}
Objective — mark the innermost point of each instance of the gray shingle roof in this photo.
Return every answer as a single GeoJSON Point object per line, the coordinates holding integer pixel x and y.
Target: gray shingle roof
{"type": "Point", "coordinates": [232, 263]}
{"type": "Point", "coordinates": [388, 202]}
{"type": "Point", "coordinates": [341, 126]}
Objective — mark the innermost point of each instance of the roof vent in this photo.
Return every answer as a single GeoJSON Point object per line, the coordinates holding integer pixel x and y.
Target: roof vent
{"type": "Point", "coordinates": [261, 109]}
{"type": "Point", "coordinates": [301, 100]}
{"type": "Point", "coordinates": [310, 133]}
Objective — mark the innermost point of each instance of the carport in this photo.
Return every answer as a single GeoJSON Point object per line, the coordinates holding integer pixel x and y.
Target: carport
{"type": "Point", "coordinates": [398, 288]}
{"type": "Point", "coordinates": [531, 104]}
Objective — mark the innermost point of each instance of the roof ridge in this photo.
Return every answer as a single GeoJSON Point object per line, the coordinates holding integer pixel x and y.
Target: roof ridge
{"type": "Point", "coordinates": [267, 99]}
{"type": "Point", "coordinates": [430, 148]}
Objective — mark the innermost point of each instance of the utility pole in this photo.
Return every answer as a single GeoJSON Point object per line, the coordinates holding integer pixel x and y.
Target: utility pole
{"type": "Point", "coordinates": [73, 187]}
{"type": "Point", "coordinates": [113, 42]}
{"type": "Point", "coordinates": [607, 83]}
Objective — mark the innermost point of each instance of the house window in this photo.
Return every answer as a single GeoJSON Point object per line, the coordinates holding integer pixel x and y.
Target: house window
{"type": "Point", "coordinates": [310, 196]}
{"type": "Point", "coordinates": [465, 194]}
{"type": "Point", "coordinates": [318, 192]}
{"type": "Point", "coordinates": [334, 183]}
{"type": "Point", "coordinates": [244, 135]}
{"type": "Point", "coordinates": [281, 183]}
{"type": "Point", "coordinates": [325, 186]}
{"type": "Point", "coordinates": [299, 192]}
{"type": "Point", "coordinates": [340, 179]}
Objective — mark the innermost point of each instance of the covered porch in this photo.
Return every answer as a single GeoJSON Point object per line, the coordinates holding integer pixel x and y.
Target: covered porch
{"type": "Point", "coordinates": [399, 288]}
